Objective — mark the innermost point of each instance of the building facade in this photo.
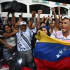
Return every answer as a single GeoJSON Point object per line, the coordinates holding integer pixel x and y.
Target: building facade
{"type": "Point", "coordinates": [34, 5]}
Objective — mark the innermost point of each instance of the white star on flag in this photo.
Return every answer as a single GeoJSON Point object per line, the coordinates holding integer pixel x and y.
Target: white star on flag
{"type": "Point", "coordinates": [60, 51]}
{"type": "Point", "coordinates": [58, 56]}
{"type": "Point", "coordinates": [65, 49]}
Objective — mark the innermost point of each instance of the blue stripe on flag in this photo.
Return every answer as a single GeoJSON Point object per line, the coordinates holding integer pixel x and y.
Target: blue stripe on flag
{"type": "Point", "coordinates": [51, 51]}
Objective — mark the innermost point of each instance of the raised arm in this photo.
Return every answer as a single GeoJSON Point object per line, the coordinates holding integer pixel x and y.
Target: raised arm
{"type": "Point", "coordinates": [55, 17]}
{"type": "Point", "coordinates": [20, 19]}
{"type": "Point", "coordinates": [33, 14]}
{"type": "Point", "coordinates": [5, 19]}
{"type": "Point", "coordinates": [13, 20]}
{"type": "Point", "coordinates": [7, 35]}
{"type": "Point", "coordinates": [34, 17]}
{"type": "Point", "coordinates": [60, 18]}
{"type": "Point", "coordinates": [38, 19]}
{"type": "Point", "coordinates": [46, 20]}
{"type": "Point", "coordinates": [31, 21]}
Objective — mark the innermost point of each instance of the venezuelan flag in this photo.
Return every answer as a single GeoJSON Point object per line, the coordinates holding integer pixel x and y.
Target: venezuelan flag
{"type": "Point", "coordinates": [51, 53]}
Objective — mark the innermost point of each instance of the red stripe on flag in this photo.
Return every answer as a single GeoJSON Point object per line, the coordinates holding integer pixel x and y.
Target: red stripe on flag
{"type": "Point", "coordinates": [63, 64]}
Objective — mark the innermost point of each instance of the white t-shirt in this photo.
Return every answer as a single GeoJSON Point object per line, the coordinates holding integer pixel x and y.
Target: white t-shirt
{"type": "Point", "coordinates": [60, 36]}
{"type": "Point", "coordinates": [22, 45]}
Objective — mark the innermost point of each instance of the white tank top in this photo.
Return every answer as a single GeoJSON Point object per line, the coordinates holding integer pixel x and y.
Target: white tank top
{"type": "Point", "coordinates": [11, 41]}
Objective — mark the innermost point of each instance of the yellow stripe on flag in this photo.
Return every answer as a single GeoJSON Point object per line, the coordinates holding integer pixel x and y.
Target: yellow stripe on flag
{"type": "Point", "coordinates": [45, 38]}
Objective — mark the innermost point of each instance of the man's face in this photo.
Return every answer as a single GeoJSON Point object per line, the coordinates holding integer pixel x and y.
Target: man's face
{"type": "Point", "coordinates": [65, 25]}
{"type": "Point", "coordinates": [23, 27]}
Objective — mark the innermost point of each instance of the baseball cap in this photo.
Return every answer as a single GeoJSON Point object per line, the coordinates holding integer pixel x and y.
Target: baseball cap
{"type": "Point", "coordinates": [22, 23]}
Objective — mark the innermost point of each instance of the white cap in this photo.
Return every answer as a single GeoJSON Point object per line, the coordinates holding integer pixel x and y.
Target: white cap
{"type": "Point", "coordinates": [22, 23]}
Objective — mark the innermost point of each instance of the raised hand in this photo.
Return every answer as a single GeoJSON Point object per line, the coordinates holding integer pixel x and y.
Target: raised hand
{"type": "Point", "coordinates": [38, 32]}
{"type": "Point", "coordinates": [16, 30]}
{"type": "Point", "coordinates": [53, 9]}
{"type": "Point", "coordinates": [58, 8]}
{"type": "Point", "coordinates": [33, 13]}
{"type": "Point", "coordinates": [39, 11]}
{"type": "Point", "coordinates": [9, 46]}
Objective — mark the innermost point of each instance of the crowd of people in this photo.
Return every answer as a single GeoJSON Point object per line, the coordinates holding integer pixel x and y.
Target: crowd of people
{"type": "Point", "coordinates": [20, 36]}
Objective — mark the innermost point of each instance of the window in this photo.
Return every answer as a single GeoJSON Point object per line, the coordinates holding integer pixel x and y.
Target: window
{"type": "Point", "coordinates": [63, 11]}
{"type": "Point", "coordinates": [36, 7]}
{"type": "Point", "coordinates": [22, 9]}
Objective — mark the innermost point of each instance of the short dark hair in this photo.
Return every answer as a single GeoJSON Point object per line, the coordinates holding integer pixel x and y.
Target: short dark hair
{"type": "Point", "coordinates": [4, 27]}
{"type": "Point", "coordinates": [42, 22]}
{"type": "Point", "coordinates": [66, 18]}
